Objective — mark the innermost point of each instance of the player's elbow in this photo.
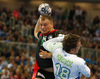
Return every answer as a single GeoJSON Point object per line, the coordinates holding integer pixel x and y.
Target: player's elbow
{"type": "Point", "coordinates": [35, 34]}
{"type": "Point", "coordinates": [88, 74]}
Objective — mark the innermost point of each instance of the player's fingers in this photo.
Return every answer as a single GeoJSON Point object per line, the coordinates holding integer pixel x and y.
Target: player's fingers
{"type": "Point", "coordinates": [41, 50]}
{"type": "Point", "coordinates": [40, 53]}
{"type": "Point", "coordinates": [42, 56]}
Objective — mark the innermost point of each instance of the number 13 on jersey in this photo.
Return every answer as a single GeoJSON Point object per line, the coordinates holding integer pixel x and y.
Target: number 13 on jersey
{"type": "Point", "coordinates": [62, 72]}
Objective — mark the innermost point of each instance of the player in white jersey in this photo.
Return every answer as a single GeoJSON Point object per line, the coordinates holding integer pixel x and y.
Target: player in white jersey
{"type": "Point", "coordinates": [67, 65]}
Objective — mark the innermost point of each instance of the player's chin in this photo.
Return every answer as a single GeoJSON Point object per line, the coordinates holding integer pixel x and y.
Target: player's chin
{"type": "Point", "coordinates": [44, 32]}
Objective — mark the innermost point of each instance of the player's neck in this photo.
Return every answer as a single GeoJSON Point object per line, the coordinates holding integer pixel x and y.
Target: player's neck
{"type": "Point", "coordinates": [72, 53]}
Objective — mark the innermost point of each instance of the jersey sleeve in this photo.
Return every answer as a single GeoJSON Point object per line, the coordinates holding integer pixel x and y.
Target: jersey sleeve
{"type": "Point", "coordinates": [51, 46]}
{"type": "Point", "coordinates": [84, 69]}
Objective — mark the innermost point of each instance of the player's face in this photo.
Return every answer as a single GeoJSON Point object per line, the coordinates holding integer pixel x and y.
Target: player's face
{"type": "Point", "coordinates": [46, 26]}
{"type": "Point", "coordinates": [78, 47]}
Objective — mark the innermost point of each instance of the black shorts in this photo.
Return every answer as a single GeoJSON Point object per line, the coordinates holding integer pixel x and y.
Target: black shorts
{"type": "Point", "coordinates": [44, 74]}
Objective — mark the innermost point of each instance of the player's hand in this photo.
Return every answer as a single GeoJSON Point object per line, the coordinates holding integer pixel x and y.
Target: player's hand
{"type": "Point", "coordinates": [44, 54]}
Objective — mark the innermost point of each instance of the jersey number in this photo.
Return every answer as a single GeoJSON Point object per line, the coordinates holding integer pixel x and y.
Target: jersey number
{"type": "Point", "coordinates": [62, 72]}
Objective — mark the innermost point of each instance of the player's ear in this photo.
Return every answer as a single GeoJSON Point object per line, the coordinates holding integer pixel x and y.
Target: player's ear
{"type": "Point", "coordinates": [51, 25]}
{"type": "Point", "coordinates": [72, 50]}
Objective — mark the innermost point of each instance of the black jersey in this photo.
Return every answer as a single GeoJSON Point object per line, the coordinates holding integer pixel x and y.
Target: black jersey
{"type": "Point", "coordinates": [45, 63]}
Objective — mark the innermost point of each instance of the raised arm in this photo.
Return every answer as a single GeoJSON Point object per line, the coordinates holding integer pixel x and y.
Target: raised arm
{"type": "Point", "coordinates": [37, 28]}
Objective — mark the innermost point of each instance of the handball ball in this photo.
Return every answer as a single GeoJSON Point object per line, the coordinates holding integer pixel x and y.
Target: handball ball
{"type": "Point", "coordinates": [44, 9]}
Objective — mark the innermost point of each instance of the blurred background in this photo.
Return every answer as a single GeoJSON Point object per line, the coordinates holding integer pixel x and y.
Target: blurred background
{"type": "Point", "coordinates": [17, 41]}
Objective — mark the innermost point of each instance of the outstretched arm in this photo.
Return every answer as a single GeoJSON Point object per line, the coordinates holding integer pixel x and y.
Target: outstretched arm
{"type": "Point", "coordinates": [37, 28]}
{"type": "Point", "coordinates": [53, 44]}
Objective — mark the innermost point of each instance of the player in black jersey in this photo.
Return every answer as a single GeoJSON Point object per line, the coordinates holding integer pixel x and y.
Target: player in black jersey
{"type": "Point", "coordinates": [44, 31]}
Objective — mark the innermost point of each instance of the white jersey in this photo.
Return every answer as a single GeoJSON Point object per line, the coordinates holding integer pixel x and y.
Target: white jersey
{"type": "Point", "coordinates": [66, 66]}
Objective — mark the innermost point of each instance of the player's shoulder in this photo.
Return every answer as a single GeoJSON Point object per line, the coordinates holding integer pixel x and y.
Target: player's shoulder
{"type": "Point", "coordinates": [78, 59]}
{"type": "Point", "coordinates": [58, 33]}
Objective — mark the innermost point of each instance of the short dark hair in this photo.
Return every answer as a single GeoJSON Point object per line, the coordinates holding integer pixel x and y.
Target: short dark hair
{"type": "Point", "coordinates": [43, 17]}
{"type": "Point", "coordinates": [70, 41]}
